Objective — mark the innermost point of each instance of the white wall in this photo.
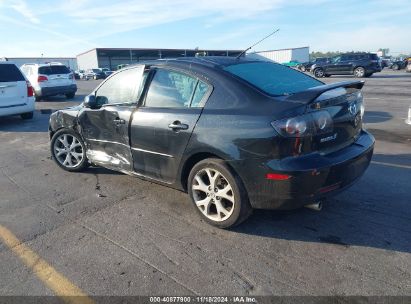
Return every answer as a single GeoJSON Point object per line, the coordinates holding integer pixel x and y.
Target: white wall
{"type": "Point", "coordinates": [283, 56]}
{"type": "Point", "coordinates": [87, 60]}
{"type": "Point", "coordinates": [301, 54]}
{"type": "Point", "coordinates": [279, 56]}
{"type": "Point", "coordinates": [69, 62]}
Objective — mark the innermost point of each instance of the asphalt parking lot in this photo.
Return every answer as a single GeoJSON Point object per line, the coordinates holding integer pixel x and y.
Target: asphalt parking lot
{"type": "Point", "coordinates": [112, 234]}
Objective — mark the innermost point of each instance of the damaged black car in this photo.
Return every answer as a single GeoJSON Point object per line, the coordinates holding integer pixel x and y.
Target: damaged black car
{"type": "Point", "coordinates": [234, 133]}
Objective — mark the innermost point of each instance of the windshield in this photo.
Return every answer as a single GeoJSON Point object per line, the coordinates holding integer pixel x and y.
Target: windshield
{"type": "Point", "coordinates": [96, 70]}
{"type": "Point", "coordinates": [273, 79]}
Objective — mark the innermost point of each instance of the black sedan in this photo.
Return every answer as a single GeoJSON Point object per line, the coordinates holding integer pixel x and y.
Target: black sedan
{"type": "Point", "coordinates": [236, 134]}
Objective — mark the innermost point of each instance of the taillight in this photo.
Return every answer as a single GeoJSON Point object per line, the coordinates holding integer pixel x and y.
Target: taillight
{"type": "Point", "coordinates": [277, 176]}
{"type": "Point", "coordinates": [30, 91]}
{"type": "Point", "coordinates": [42, 78]}
{"type": "Point", "coordinates": [310, 124]}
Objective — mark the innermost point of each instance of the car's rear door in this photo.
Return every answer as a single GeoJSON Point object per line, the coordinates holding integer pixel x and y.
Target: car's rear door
{"type": "Point", "coordinates": [106, 127]}
{"type": "Point", "coordinates": [13, 86]}
{"type": "Point", "coordinates": [163, 125]}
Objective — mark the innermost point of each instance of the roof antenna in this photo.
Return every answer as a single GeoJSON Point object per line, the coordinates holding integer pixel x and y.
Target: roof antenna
{"type": "Point", "coordinates": [243, 52]}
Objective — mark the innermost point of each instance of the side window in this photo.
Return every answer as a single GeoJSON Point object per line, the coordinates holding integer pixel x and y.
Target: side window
{"type": "Point", "coordinates": [170, 89]}
{"type": "Point", "coordinates": [199, 94]}
{"type": "Point", "coordinates": [121, 88]}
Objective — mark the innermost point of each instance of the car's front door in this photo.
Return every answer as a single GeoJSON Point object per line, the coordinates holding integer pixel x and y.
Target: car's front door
{"type": "Point", "coordinates": [105, 128]}
{"type": "Point", "coordinates": [163, 125]}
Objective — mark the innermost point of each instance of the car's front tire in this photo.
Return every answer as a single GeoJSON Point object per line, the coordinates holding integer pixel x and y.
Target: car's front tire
{"type": "Point", "coordinates": [68, 150]}
{"type": "Point", "coordinates": [218, 193]}
{"type": "Point", "coordinates": [359, 72]}
{"type": "Point", "coordinates": [395, 67]}
{"type": "Point", "coordinates": [28, 115]}
{"type": "Point", "coordinates": [319, 73]}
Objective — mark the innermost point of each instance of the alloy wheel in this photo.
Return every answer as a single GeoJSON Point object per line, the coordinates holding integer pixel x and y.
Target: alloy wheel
{"type": "Point", "coordinates": [359, 72]}
{"type": "Point", "coordinates": [213, 194]}
{"type": "Point", "coordinates": [68, 151]}
{"type": "Point", "coordinates": [319, 73]}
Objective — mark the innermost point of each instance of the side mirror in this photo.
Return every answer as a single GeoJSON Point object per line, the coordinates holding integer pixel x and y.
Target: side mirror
{"type": "Point", "coordinates": [90, 101]}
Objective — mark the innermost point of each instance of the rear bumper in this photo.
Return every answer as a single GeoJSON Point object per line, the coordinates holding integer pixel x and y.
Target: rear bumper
{"type": "Point", "coordinates": [313, 176]}
{"type": "Point", "coordinates": [17, 109]}
{"type": "Point", "coordinates": [60, 90]}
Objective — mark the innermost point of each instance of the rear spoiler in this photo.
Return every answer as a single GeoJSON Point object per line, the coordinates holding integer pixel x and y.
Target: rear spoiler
{"type": "Point", "coordinates": [308, 96]}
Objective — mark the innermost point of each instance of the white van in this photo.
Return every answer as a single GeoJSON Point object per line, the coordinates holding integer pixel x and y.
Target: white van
{"type": "Point", "coordinates": [50, 79]}
{"type": "Point", "coordinates": [16, 93]}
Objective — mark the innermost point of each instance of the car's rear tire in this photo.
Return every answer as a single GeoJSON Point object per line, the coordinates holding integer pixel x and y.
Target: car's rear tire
{"type": "Point", "coordinates": [28, 115]}
{"type": "Point", "coordinates": [70, 95]}
{"type": "Point", "coordinates": [319, 73]}
{"type": "Point", "coordinates": [395, 67]}
{"type": "Point", "coordinates": [95, 77]}
{"type": "Point", "coordinates": [218, 193]}
{"type": "Point", "coordinates": [68, 150]}
{"type": "Point", "coordinates": [303, 69]}
{"type": "Point", "coordinates": [359, 72]}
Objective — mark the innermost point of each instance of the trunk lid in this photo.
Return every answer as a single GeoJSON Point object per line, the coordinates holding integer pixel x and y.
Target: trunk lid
{"type": "Point", "coordinates": [344, 102]}
{"type": "Point", "coordinates": [57, 75]}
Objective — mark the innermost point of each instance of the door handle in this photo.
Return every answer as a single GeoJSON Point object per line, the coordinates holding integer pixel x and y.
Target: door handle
{"type": "Point", "coordinates": [119, 121]}
{"type": "Point", "coordinates": [177, 125]}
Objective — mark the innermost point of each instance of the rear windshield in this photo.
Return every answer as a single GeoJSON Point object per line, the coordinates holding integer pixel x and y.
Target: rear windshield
{"type": "Point", "coordinates": [53, 69]}
{"type": "Point", "coordinates": [9, 73]}
{"type": "Point", "coordinates": [273, 79]}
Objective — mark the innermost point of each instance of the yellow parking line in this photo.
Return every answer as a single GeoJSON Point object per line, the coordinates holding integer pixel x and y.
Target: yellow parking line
{"type": "Point", "coordinates": [61, 286]}
{"type": "Point", "coordinates": [391, 165]}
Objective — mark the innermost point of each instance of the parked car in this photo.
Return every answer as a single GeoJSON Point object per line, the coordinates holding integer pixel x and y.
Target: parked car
{"type": "Point", "coordinates": [399, 64]}
{"type": "Point", "coordinates": [408, 68]}
{"type": "Point", "coordinates": [94, 74]}
{"type": "Point", "coordinates": [229, 131]}
{"type": "Point", "coordinates": [106, 71]}
{"type": "Point", "coordinates": [357, 64]}
{"type": "Point", "coordinates": [76, 74]}
{"type": "Point", "coordinates": [121, 66]}
{"type": "Point", "coordinates": [385, 62]}
{"type": "Point", "coordinates": [306, 66]}
{"type": "Point", "coordinates": [16, 92]}
{"type": "Point", "coordinates": [80, 73]}
{"type": "Point", "coordinates": [50, 79]}
{"type": "Point", "coordinates": [292, 63]}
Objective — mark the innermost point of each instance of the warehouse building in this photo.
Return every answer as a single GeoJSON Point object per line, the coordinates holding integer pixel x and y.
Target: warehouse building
{"type": "Point", "coordinates": [301, 54]}
{"type": "Point", "coordinates": [70, 62]}
{"type": "Point", "coordinates": [111, 58]}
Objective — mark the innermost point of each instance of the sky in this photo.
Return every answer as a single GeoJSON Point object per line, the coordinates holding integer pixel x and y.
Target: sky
{"type": "Point", "coordinates": [29, 28]}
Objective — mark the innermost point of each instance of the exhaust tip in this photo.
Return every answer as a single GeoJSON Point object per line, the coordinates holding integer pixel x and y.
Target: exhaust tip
{"type": "Point", "coordinates": [317, 206]}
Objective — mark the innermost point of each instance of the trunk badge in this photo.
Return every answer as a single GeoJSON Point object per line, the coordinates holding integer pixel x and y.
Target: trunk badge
{"type": "Point", "coordinates": [352, 109]}
{"type": "Point", "coordinates": [328, 138]}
